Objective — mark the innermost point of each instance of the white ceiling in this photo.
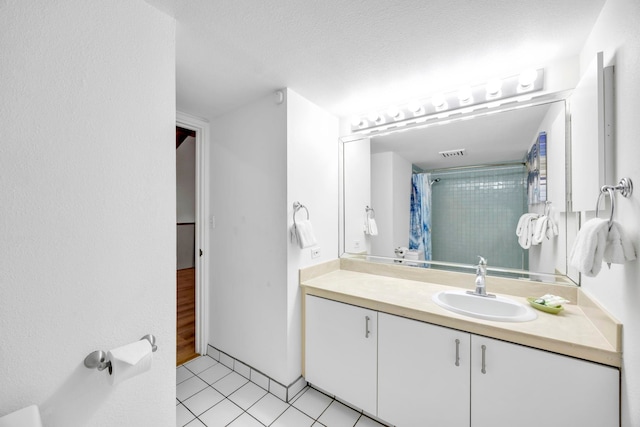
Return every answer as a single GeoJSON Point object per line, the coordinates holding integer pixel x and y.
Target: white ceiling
{"type": "Point", "coordinates": [351, 56]}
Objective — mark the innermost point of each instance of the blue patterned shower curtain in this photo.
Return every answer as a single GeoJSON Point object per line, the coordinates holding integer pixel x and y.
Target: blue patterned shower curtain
{"type": "Point", "coordinates": [420, 233]}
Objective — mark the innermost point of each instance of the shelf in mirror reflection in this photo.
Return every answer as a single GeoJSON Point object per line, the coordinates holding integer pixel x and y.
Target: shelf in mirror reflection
{"type": "Point", "coordinates": [453, 267]}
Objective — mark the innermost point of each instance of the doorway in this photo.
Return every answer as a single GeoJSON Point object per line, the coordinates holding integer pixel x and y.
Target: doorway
{"type": "Point", "coordinates": [191, 237]}
{"type": "Point", "coordinates": [185, 245]}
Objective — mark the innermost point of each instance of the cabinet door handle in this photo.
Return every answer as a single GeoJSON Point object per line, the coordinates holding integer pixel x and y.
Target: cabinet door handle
{"type": "Point", "coordinates": [484, 365]}
{"type": "Point", "coordinates": [367, 332]}
{"type": "Point", "coordinates": [457, 352]}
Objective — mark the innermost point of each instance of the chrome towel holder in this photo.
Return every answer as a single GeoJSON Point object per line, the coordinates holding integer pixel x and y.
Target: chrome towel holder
{"type": "Point", "coordinates": [371, 213]}
{"type": "Point", "coordinates": [625, 187]}
{"type": "Point", "coordinates": [296, 207]}
{"type": "Point", "coordinates": [98, 359]}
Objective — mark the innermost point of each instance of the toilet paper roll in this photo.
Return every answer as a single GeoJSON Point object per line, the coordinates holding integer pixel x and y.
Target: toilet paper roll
{"type": "Point", "coordinates": [129, 361]}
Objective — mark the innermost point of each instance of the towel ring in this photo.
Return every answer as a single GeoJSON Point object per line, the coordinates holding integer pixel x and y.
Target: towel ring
{"type": "Point", "coordinates": [604, 190]}
{"type": "Point", "coordinates": [371, 213]}
{"type": "Point", "coordinates": [625, 187]}
{"type": "Point", "coordinates": [296, 207]}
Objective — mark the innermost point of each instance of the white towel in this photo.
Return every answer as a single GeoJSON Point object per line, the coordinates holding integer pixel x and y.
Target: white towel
{"type": "Point", "coordinates": [523, 223]}
{"type": "Point", "coordinates": [540, 231]}
{"type": "Point", "coordinates": [304, 234]}
{"type": "Point", "coordinates": [619, 249]}
{"type": "Point", "coordinates": [525, 229]}
{"type": "Point", "coordinates": [552, 228]}
{"type": "Point", "coordinates": [370, 226]}
{"type": "Point", "coordinates": [588, 248]}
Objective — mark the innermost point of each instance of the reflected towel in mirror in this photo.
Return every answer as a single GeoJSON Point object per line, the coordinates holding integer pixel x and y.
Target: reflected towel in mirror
{"type": "Point", "coordinates": [533, 228]}
{"type": "Point", "coordinates": [370, 226]}
{"type": "Point", "coordinates": [526, 229]}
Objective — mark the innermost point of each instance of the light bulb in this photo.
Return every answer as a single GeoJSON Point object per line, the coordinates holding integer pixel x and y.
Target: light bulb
{"type": "Point", "coordinates": [416, 108]}
{"type": "Point", "coordinates": [439, 102]}
{"type": "Point", "coordinates": [376, 118]}
{"type": "Point", "coordinates": [395, 113]}
{"type": "Point", "coordinates": [359, 122]}
{"type": "Point", "coordinates": [465, 96]}
{"type": "Point", "coordinates": [527, 79]}
{"type": "Point", "coordinates": [494, 88]}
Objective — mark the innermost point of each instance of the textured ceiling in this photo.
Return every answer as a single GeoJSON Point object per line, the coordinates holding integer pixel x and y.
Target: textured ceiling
{"type": "Point", "coordinates": [351, 56]}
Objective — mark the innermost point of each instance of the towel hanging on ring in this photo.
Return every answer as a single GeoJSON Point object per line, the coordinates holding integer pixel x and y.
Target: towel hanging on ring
{"type": "Point", "coordinates": [370, 226]}
{"type": "Point", "coordinates": [302, 231]}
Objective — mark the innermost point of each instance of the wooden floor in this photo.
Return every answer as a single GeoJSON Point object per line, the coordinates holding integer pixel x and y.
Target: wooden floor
{"type": "Point", "coordinates": [186, 316]}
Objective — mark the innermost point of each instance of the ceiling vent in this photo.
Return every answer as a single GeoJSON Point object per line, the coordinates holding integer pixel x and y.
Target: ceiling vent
{"type": "Point", "coordinates": [452, 153]}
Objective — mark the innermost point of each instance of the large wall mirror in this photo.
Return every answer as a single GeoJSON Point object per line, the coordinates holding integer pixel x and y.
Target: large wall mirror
{"type": "Point", "coordinates": [450, 189]}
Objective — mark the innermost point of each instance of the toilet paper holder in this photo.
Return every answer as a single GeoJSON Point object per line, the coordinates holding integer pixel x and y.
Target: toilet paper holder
{"type": "Point", "coordinates": [98, 359]}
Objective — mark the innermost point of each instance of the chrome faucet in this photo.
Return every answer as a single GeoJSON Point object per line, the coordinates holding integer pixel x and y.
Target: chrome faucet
{"type": "Point", "coordinates": [481, 273]}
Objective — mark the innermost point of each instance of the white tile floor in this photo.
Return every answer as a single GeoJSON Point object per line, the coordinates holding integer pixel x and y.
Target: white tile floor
{"type": "Point", "coordinates": [210, 394]}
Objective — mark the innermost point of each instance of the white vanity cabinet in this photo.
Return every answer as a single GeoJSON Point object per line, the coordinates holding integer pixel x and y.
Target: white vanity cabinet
{"type": "Point", "coordinates": [423, 373]}
{"type": "Point", "coordinates": [525, 387]}
{"type": "Point", "coordinates": [412, 374]}
{"type": "Point", "coordinates": [341, 344]}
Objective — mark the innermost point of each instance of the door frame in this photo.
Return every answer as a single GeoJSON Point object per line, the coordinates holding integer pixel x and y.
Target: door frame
{"type": "Point", "coordinates": [201, 128]}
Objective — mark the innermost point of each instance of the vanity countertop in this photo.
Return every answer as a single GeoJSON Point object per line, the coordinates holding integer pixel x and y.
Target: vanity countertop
{"type": "Point", "coordinates": [582, 330]}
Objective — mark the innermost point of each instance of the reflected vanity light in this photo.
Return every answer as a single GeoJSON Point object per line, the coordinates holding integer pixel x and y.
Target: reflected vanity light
{"type": "Point", "coordinates": [465, 100]}
{"type": "Point", "coordinates": [526, 80]}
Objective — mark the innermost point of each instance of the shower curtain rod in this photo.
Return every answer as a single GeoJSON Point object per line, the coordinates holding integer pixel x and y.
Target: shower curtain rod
{"type": "Point", "coordinates": [475, 167]}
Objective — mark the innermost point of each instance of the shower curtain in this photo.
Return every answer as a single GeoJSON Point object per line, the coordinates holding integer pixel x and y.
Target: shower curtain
{"type": "Point", "coordinates": [420, 232]}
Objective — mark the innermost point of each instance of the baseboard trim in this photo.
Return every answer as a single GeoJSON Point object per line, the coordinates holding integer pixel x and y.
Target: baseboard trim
{"type": "Point", "coordinates": [284, 393]}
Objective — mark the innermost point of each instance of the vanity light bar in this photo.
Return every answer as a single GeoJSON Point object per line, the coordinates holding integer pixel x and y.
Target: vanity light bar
{"type": "Point", "coordinates": [441, 105]}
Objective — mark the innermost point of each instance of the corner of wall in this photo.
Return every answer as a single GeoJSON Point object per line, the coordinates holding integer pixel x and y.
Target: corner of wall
{"type": "Point", "coordinates": [312, 179]}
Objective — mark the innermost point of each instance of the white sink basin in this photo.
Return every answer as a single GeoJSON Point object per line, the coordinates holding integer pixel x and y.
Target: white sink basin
{"type": "Point", "coordinates": [498, 308]}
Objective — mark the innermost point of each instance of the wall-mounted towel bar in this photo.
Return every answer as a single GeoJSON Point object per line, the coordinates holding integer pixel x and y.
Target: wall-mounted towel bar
{"type": "Point", "coordinates": [624, 187]}
{"type": "Point", "coordinates": [98, 359]}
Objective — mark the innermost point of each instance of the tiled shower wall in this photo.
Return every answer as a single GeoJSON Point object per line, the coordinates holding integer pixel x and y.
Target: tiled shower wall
{"type": "Point", "coordinates": [475, 212]}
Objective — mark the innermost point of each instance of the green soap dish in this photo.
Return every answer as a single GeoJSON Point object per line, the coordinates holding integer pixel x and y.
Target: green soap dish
{"type": "Point", "coordinates": [542, 307]}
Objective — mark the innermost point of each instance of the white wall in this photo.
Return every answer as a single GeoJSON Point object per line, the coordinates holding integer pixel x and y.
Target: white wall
{"type": "Point", "coordinates": [381, 201]}
{"type": "Point", "coordinates": [87, 254]}
{"type": "Point", "coordinates": [312, 179]}
{"type": "Point", "coordinates": [617, 34]}
{"type": "Point", "coordinates": [264, 157]}
{"type": "Point", "coordinates": [248, 294]}
{"type": "Point", "coordinates": [391, 198]}
{"type": "Point", "coordinates": [357, 189]}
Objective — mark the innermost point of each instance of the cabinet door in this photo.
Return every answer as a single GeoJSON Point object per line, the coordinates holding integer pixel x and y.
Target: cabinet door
{"type": "Point", "coordinates": [524, 387]}
{"type": "Point", "coordinates": [341, 350]}
{"type": "Point", "coordinates": [423, 374]}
